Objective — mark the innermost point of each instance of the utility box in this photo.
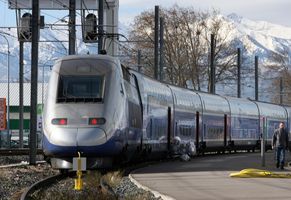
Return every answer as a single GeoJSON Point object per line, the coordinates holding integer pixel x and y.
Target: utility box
{"type": "Point", "coordinates": [83, 166]}
{"type": "Point", "coordinates": [25, 30]}
{"type": "Point", "coordinates": [90, 28]}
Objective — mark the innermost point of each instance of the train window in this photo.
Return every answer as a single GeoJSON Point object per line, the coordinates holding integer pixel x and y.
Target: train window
{"type": "Point", "coordinates": [214, 132]}
{"type": "Point", "coordinates": [185, 130]}
{"type": "Point", "coordinates": [80, 89]}
{"type": "Point", "coordinates": [126, 74]}
{"type": "Point", "coordinates": [135, 117]}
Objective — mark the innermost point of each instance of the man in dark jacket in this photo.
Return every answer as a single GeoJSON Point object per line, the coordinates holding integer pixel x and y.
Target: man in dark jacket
{"type": "Point", "coordinates": [280, 143]}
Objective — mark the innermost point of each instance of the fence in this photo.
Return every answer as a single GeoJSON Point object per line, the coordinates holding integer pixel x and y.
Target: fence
{"type": "Point", "coordinates": [9, 137]}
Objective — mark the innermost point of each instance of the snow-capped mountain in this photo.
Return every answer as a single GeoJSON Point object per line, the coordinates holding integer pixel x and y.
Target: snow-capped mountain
{"type": "Point", "coordinates": [261, 38]}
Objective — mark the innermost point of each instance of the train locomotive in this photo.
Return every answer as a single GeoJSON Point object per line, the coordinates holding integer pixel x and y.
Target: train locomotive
{"type": "Point", "coordinates": [108, 113]}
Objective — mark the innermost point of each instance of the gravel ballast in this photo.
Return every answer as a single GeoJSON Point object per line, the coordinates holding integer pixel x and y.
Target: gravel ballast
{"type": "Point", "coordinates": [14, 180]}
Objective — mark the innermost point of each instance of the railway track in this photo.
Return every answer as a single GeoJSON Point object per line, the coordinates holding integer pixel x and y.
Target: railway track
{"type": "Point", "coordinates": [11, 152]}
{"type": "Point", "coordinates": [102, 186]}
{"type": "Point", "coordinates": [41, 184]}
{"type": "Point", "coordinates": [96, 184]}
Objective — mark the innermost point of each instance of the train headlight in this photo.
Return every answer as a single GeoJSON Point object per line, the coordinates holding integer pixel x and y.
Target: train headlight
{"type": "Point", "coordinates": [96, 121]}
{"type": "Point", "coordinates": [59, 121]}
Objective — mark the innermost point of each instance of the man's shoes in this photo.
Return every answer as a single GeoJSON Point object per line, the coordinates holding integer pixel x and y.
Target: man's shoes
{"type": "Point", "coordinates": [282, 168]}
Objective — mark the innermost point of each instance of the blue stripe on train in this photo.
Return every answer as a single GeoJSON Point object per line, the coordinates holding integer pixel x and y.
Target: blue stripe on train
{"type": "Point", "coordinates": [110, 148]}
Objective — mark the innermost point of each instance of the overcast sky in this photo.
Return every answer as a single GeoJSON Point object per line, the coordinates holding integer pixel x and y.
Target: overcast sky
{"type": "Point", "coordinates": [275, 11]}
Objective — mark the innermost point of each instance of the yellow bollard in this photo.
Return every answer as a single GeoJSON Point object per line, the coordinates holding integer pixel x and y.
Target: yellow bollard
{"type": "Point", "coordinates": [79, 181]}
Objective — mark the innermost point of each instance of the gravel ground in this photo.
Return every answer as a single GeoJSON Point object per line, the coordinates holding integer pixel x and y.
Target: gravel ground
{"type": "Point", "coordinates": [128, 190]}
{"type": "Point", "coordinates": [125, 190]}
{"type": "Point", "coordinates": [14, 180]}
{"type": "Point", "coordinates": [6, 160]}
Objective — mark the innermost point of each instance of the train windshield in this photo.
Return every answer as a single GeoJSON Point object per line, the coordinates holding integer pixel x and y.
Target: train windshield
{"type": "Point", "coordinates": [80, 89]}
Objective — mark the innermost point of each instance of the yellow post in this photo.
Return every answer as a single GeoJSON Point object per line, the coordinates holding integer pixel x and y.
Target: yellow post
{"type": "Point", "coordinates": [79, 181]}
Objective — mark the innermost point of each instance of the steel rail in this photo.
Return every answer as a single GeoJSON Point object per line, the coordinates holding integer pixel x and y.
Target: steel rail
{"type": "Point", "coordinates": [11, 152]}
{"type": "Point", "coordinates": [43, 183]}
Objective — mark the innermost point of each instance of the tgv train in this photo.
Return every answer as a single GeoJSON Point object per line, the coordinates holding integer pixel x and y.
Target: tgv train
{"type": "Point", "coordinates": [107, 112]}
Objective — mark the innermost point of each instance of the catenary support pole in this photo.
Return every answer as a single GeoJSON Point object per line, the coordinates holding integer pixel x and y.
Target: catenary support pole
{"type": "Point", "coordinates": [256, 78]}
{"type": "Point", "coordinates": [21, 94]}
{"type": "Point", "coordinates": [238, 73]}
{"type": "Point", "coordinates": [100, 25]}
{"type": "Point", "coordinates": [34, 80]}
{"type": "Point", "coordinates": [212, 67]}
{"type": "Point", "coordinates": [161, 71]}
{"type": "Point", "coordinates": [156, 50]}
{"type": "Point", "coordinates": [72, 27]}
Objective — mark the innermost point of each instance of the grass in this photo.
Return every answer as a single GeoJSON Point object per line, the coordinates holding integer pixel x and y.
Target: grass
{"type": "Point", "coordinates": [113, 178]}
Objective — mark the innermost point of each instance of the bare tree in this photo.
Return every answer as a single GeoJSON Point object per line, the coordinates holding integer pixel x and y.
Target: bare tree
{"type": "Point", "coordinates": [187, 43]}
{"type": "Point", "coordinates": [280, 69]}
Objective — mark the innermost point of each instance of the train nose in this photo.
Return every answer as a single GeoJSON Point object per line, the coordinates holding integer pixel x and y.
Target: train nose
{"type": "Point", "coordinates": [78, 136]}
{"type": "Point", "coordinates": [91, 136]}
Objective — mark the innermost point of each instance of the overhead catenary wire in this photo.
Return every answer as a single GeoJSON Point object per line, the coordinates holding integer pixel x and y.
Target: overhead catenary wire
{"type": "Point", "coordinates": [45, 47]}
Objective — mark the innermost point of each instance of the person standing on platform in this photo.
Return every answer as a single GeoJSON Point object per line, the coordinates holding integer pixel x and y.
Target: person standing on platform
{"type": "Point", "coordinates": [280, 143]}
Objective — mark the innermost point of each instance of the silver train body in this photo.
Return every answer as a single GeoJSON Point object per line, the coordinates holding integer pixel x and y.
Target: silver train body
{"type": "Point", "coordinates": [108, 113]}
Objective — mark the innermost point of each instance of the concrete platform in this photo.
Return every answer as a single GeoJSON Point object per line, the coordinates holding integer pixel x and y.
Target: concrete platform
{"type": "Point", "coordinates": [205, 178]}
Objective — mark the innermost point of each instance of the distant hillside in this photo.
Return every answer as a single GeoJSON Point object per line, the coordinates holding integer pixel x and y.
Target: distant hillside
{"type": "Point", "coordinates": [261, 38]}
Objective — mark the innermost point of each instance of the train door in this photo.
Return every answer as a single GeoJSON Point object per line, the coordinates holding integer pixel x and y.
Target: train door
{"type": "Point", "coordinates": [261, 127]}
{"type": "Point", "coordinates": [169, 129]}
{"type": "Point", "coordinates": [225, 132]}
{"type": "Point", "coordinates": [197, 130]}
{"type": "Point", "coordinates": [139, 111]}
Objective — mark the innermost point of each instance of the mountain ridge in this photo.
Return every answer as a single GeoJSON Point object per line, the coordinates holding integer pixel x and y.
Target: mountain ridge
{"type": "Point", "coordinates": [261, 38]}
